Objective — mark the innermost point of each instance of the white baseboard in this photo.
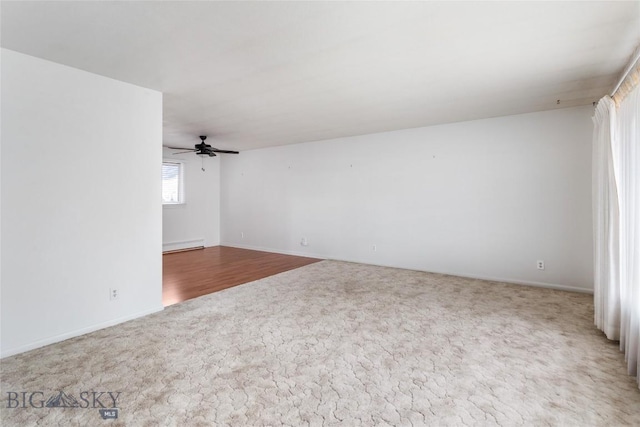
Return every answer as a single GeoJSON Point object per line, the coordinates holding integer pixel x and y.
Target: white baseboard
{"type": "Point", "coordinates": [76, 333]}
{"type": "Point", "coordinates": [185, 244]}
{"type": "Point", "coordinates": [449, 273]}
{"type": "Point", "coordinates": [277, 251]}
{"type": "Point", "coordinates": [523, 282]}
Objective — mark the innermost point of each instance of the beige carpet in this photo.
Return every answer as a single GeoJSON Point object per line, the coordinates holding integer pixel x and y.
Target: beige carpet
{"type": "Point", "coordinates": [337, 343]}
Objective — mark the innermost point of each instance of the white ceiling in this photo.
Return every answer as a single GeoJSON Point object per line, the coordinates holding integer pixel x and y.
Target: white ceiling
{"type": "Point", "coordinates": [257, 74]}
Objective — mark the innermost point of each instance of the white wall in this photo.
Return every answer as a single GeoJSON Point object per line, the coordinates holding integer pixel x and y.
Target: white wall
{"type": "Point", "coordinates": [197, 220]}
{"type": "Point", "coordinates": [81, 205]}
{"type": "Point", "coordinates": [485, 198]}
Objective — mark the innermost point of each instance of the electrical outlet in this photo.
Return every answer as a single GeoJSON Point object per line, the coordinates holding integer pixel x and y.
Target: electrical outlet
{"type": "Point", "coordinates": [242, 234]}
{"type": "Point", "coordinates": [540, 264]}
{"type": "Point", "coordinates": [304, 242]}
{"type": "Point", "coordinates": [114, 294]}
{"type": "Point", "coordinates": [375, 248]}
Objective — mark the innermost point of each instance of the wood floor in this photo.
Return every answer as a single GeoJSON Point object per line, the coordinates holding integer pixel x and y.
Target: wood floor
{"type": "Point", "coordinates": [191, 274]}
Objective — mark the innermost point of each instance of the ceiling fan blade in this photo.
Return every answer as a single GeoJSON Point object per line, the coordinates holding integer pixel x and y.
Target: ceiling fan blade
{"type": "Point", "coordinates": [182, 152]}
{"type": "Point", "coordinates": [225, 151]}
{"type": "Point", "coordinates": [176, 148]}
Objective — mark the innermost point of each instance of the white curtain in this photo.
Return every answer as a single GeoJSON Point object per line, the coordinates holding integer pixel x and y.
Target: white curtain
{"type": "Point", "coordinates": [616, 198]}
{"type": "Point", "coordinates": [626, 159]}
{"type": "Point", "coordinates": [606, 224]}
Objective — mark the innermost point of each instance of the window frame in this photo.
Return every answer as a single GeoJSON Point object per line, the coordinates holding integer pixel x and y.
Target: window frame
{"type": "Point", "coordinates": [181, 193]}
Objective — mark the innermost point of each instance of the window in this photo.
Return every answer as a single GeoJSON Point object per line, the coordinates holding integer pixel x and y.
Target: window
{"type": "Point", "coordinates": [172, 186]}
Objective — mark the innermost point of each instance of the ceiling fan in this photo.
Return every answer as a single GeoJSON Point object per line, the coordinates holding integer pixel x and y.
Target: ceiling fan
{"type": "Point", "coordinates": [203, 149]}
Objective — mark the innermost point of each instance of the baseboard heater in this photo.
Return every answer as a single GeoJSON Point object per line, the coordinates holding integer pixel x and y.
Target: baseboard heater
{"type": "Point", "coordinates": [186, 245]}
